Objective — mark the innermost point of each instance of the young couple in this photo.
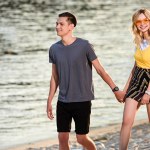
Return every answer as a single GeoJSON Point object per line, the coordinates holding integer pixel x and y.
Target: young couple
{"type": "Point", "coordinates": [72, 59]}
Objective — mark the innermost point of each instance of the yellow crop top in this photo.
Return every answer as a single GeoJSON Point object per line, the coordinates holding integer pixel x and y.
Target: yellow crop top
{"type": "Point", "coordinates": [142, 57]}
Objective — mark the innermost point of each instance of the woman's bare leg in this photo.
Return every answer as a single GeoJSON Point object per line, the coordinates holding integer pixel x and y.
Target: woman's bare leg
{"type": "Point", "coordinates": [130, 109]}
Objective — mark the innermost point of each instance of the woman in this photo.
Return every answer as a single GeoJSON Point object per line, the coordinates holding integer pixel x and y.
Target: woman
{"type": "Point", "coordinates": [138, 86]}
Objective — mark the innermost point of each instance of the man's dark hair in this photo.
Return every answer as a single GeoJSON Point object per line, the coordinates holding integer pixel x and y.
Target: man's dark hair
{"type": "Point", "coordinates": [71, 18]}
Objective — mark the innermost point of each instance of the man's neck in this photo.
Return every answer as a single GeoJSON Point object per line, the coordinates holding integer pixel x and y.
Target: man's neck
{"type": "Point", "coordinates": [68, 40]}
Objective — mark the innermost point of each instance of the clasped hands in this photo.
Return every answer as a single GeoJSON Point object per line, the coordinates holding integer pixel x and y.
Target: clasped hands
{"type": "Point", "coordinates": [120, 96]}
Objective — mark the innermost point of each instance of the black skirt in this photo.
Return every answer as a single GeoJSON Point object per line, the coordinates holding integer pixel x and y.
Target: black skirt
{"type": "Point", "coordinates": [138, 84]}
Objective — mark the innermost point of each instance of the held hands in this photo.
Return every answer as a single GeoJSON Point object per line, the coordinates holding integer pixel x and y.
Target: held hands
{"type": "Point", "coordinates": [49, 112]}
{"type": "Point", "coordinates": [120, 96]}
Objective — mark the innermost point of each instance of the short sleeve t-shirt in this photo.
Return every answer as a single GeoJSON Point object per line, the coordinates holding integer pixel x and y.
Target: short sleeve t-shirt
{"type": "Point", "coordinates": [73, 63]}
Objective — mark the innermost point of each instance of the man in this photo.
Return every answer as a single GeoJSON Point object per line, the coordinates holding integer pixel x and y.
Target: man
{"type": "Point", "coordinates": [72, 59]}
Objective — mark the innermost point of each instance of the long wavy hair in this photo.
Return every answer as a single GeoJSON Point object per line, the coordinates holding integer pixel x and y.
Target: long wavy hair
{"type": "Point", "coordinates": [138, 35]}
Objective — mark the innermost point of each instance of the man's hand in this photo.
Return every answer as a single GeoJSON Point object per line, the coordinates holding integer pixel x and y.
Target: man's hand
{"type": "Point", "coordinates": [145, 99]}
{"type": "Point", "coordinates": [49, 111]}
{"type": "Point", "coordinates": [120, 96]}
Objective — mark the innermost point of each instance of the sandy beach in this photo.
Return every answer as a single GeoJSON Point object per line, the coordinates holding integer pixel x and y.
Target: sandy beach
{"type": "Point", "coordinates": [106, 138]}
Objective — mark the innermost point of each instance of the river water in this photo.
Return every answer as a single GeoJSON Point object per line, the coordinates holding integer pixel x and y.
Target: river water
{"type": "Point", "coordinates": [27, 29]}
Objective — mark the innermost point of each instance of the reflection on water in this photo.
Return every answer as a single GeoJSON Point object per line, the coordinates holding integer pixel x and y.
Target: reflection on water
{"type": "Point", "coordinates": [27, 29]}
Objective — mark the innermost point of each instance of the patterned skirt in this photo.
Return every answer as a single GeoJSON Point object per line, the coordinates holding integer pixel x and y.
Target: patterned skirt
{"type": "Point", "coordinates": [138, 84]}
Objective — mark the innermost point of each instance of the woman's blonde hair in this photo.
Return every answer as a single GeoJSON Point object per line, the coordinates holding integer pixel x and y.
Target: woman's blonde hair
{"type": "Point", "coordinates": [138, 36]}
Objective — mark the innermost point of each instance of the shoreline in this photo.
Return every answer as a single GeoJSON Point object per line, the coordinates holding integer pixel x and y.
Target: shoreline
{"type": "Point", "coordinates": [101, 135]}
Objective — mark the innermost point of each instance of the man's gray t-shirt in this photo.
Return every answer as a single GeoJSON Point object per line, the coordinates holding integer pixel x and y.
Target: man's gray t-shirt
{"type": "Point", "coordinates": [73, 63]}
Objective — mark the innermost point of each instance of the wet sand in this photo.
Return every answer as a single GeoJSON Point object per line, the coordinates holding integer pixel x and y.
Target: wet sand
{"type": "Point", "coordinates": [106, 138]}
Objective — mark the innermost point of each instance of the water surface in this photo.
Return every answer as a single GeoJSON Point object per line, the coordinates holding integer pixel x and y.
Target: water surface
{"type": "Point", "coordinates": [27, 29]}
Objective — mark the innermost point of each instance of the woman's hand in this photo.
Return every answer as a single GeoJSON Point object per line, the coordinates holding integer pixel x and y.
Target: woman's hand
{"type": "Point", "coordinates": [145, 99]}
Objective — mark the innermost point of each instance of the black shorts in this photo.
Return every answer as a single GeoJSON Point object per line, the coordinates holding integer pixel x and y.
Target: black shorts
{"type": "Point", "coordinates": [79, 111]}
{"type": "Point", "coordinates": [138, 84]}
